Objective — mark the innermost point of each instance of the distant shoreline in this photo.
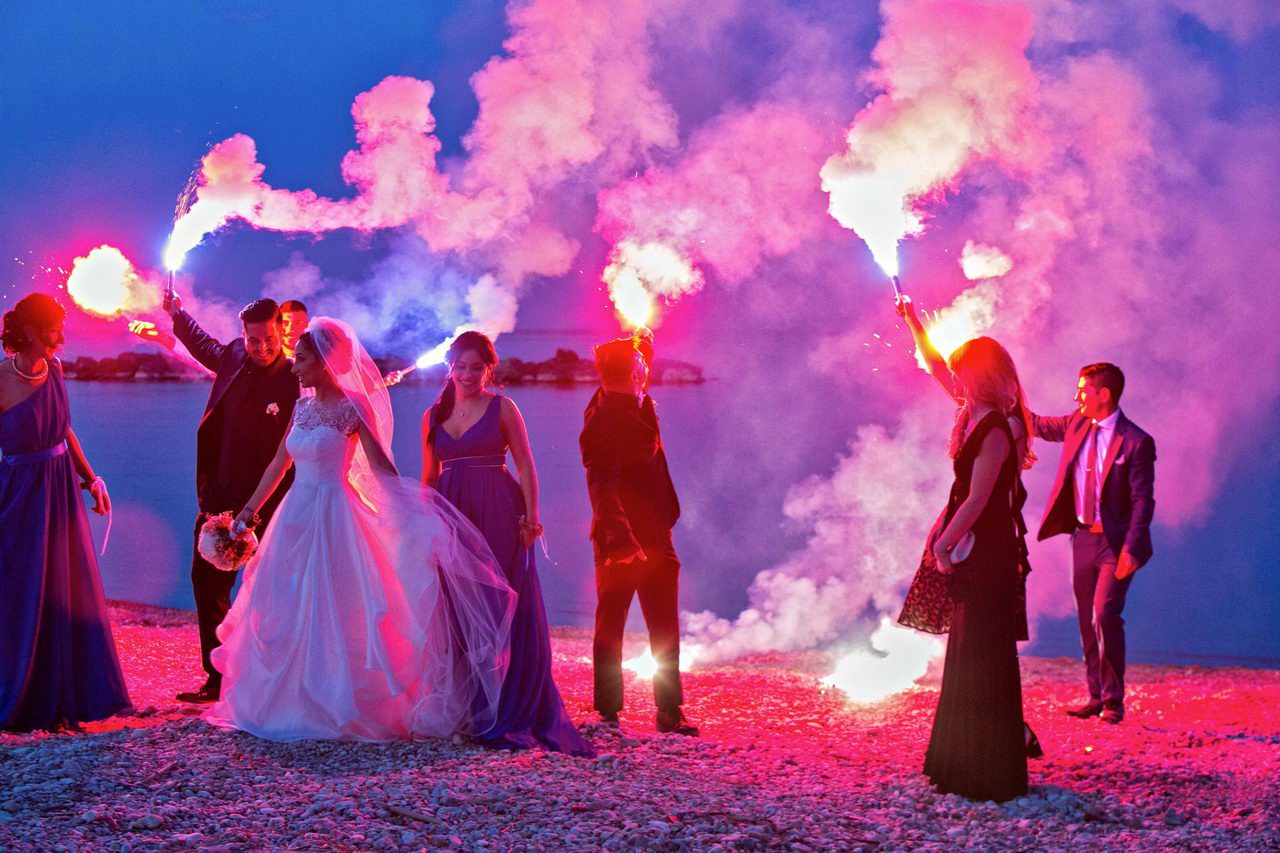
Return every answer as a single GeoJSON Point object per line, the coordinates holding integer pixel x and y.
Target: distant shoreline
{"type": "Point", "coordinates": [565, 368]}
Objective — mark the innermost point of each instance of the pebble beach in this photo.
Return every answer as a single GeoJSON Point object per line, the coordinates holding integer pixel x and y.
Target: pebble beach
{"type": "Point", "coordinates": [783, 763]}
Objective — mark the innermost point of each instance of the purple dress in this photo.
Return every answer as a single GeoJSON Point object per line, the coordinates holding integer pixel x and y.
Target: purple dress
{"type": "Point", "coordinates": [474, 478]}
{"type": "Point", "coordinates": [58, 661]}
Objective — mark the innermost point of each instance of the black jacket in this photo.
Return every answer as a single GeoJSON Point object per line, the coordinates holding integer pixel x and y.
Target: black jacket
{"type": "Point", "coordinates": [632, 497]}
{"type": "Point", "coordinates": [261, 418]}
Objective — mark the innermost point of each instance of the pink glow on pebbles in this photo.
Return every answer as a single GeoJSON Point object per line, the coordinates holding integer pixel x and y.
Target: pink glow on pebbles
{"type": "Point", "coordinates": [782, 763]}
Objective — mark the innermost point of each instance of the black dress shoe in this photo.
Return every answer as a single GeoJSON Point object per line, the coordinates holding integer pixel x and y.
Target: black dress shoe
{"type": "Point", "coordinates": [1084, 712]}
{"type": "Point", "coordinates": [674, 722]}
{"type": "Point", "coordinates": [1113, 713]}
{"type": "Point", "coordinates": [205, 695]}
{"type": "Point", "coordinates": [1034, 750]}
{"type": "Point", "coordinates": [610, 719]}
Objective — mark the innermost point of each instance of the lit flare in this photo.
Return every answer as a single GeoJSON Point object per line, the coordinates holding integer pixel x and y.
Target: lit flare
{"type": "Point", "coordinates": [104, 282]}
{"type": "Point", "coordinates": [645, 665]}
{"type": "Point", "coordinates": [877, 207]}
{"type": "Point", "coordinates": [898, 657]}
{"type": "Point", "coordinates": [639, 273]}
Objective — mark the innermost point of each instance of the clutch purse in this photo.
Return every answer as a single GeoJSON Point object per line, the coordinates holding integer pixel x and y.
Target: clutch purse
{"type": "Point", "coordinates": [962, 549]}
{"type": "Point", "coordinates": [928, 604]}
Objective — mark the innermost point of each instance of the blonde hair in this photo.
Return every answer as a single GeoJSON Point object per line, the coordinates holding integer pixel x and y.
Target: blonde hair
{"type": "Point", "coordinates": [989, 376]}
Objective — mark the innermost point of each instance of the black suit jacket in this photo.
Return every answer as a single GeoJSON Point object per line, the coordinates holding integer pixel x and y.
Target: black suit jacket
{"type": "Point", "coordinates": [272, 385]}
{"type": "Point", "coordinates": [633, 500]}
{"type": "Point", "coordinates": [1128, 483]}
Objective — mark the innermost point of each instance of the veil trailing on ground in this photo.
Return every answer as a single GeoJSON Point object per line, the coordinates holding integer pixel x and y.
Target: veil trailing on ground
{"type": "Point", "coordinates": [466, 615]}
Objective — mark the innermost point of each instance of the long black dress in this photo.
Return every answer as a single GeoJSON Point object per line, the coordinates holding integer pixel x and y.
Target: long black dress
{"type": "Point", "coordinates": [977, 748]}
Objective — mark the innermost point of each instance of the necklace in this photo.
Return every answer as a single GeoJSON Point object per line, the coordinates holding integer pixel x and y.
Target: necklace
{"type": "Point", "coordinates": [13, 360]}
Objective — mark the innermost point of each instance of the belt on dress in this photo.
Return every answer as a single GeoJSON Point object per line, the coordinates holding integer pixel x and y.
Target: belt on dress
{"type": "Point", "coordinates": [492, 460]}
{"type": "Point", "coordinates": [45, 455]}
{"type": "Point", "coordinates": [39, 456]}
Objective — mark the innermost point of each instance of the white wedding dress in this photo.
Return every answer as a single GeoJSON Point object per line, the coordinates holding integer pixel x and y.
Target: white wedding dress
{"type": "Point", "coordinates": [369, 612]}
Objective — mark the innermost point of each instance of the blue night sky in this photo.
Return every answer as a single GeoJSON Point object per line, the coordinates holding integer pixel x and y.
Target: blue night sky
{"type": "Point", "coordinates": [107, 108]}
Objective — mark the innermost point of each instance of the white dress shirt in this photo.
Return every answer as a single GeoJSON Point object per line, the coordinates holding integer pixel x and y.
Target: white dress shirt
{"type": "Point", "coordinates": [1106, 432]}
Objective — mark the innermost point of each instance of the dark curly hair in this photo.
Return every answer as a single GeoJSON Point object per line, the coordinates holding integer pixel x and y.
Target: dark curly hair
{"type": "Point", "coordinates": [36, 310]}
{"type": "Point", "coordinates": [260, 311]}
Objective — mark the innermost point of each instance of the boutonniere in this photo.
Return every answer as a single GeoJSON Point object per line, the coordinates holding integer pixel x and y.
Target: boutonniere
{"type": "Point", "coordinates": [1120, 459]}
{"type": "Point", "coordinates": [273, 410]}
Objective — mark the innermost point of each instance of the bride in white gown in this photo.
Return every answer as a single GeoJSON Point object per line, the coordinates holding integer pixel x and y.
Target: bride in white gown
{"type": "Point", "coordinates": [373, 610]}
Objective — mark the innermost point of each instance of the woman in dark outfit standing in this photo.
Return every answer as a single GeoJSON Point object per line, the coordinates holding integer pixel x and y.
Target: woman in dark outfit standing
{"type": "Point", "coordinates": [979, 744]}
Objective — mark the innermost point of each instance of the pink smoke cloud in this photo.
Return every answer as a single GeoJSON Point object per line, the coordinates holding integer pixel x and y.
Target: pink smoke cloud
{"type": "Point", "coordinates": [1121, 251]}
{"type": "Point", "coordinates": [1079, 140]}
{"type": "Point", "coordinates": [743, 191]}
{"type": "Point", "coordinates": [570, 102]}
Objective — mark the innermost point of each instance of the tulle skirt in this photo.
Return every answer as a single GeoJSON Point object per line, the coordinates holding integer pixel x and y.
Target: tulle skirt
{"type": "Point", "coordinates": [373, 615]}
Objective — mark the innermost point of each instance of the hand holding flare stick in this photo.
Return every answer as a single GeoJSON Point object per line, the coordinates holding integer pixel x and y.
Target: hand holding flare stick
{"type": "Point", "coordinates": [931, 359]}
{"type": "Point", "coordinates": [897, 289]}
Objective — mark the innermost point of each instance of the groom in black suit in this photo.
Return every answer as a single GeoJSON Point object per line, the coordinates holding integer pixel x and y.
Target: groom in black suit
{"type": "Point", "coordinates": [1104, 498]}
{"type": "Point", "coordinates": [249, 408]}
{"type": "Point", "coordinates": [633, 508]}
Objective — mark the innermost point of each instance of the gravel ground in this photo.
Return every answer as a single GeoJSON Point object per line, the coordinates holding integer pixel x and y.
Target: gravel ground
{"type": "Point", "coordinates": [782, 765]}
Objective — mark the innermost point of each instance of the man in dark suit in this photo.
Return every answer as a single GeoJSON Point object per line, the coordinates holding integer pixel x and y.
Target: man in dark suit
{"type": "Point", "coordinates": [634, 507]}
{"type": "Point", "coordinates": [1104, 498]}
{"type": "Point", "coordinates": [249, 408]}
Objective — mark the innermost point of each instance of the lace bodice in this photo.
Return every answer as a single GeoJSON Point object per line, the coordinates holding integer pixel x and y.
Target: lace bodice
{"type": "Point", "coordinates": [322, 441]}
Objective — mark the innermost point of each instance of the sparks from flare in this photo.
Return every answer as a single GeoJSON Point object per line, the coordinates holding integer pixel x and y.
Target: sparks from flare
{"type": "Point", "coordinates": [973, 312]}
{"type": "Point", "coordinates": [193, 219]}
{"type": "Point", "coordinates": [948, 331]}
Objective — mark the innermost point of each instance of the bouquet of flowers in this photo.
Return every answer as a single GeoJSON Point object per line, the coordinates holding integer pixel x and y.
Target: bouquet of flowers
{"type": "Point", "coordinates": [224, 545]}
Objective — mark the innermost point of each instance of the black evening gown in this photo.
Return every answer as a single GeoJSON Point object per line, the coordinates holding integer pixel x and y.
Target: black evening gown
{"type": "Point", "coordinates": [977, 748]}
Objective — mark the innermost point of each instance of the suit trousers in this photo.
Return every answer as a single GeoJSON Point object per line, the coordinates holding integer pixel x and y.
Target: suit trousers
{"type": "Point", "coordinates": [1099, 604]}
{"type": "Point", "coordinates": [656, 583]}
{"type": "Point", "coordinates": [212, 588]}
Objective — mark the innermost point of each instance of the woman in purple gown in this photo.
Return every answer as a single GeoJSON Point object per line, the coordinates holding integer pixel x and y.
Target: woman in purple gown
{"type": "Point", "coordinates": [465, 439]}
{"type": "Point", "coordinates": [58, 664]}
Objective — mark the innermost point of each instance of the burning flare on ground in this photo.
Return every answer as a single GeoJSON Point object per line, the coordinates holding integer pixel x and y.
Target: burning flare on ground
{"type": "Point", "coordinates": [645, 665]}
{"type": "Point", "coordinates": [897, 659]}
{"type": "Point", "coordinates": [104, 282]}
{"type": "Point", "coordinates": [638, 273]}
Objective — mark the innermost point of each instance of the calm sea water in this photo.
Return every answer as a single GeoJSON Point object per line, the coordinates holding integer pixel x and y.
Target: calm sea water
{"type": "Point", "coordinates": [1209, 597]}
{"type": "Point", "coordinates": [141, 439]}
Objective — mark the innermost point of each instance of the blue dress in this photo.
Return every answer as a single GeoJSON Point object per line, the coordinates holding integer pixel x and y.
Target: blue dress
{"type": "Point", "coordinates": [58, 661]}
{"type": "Point", "coordinates": [474, 478]}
